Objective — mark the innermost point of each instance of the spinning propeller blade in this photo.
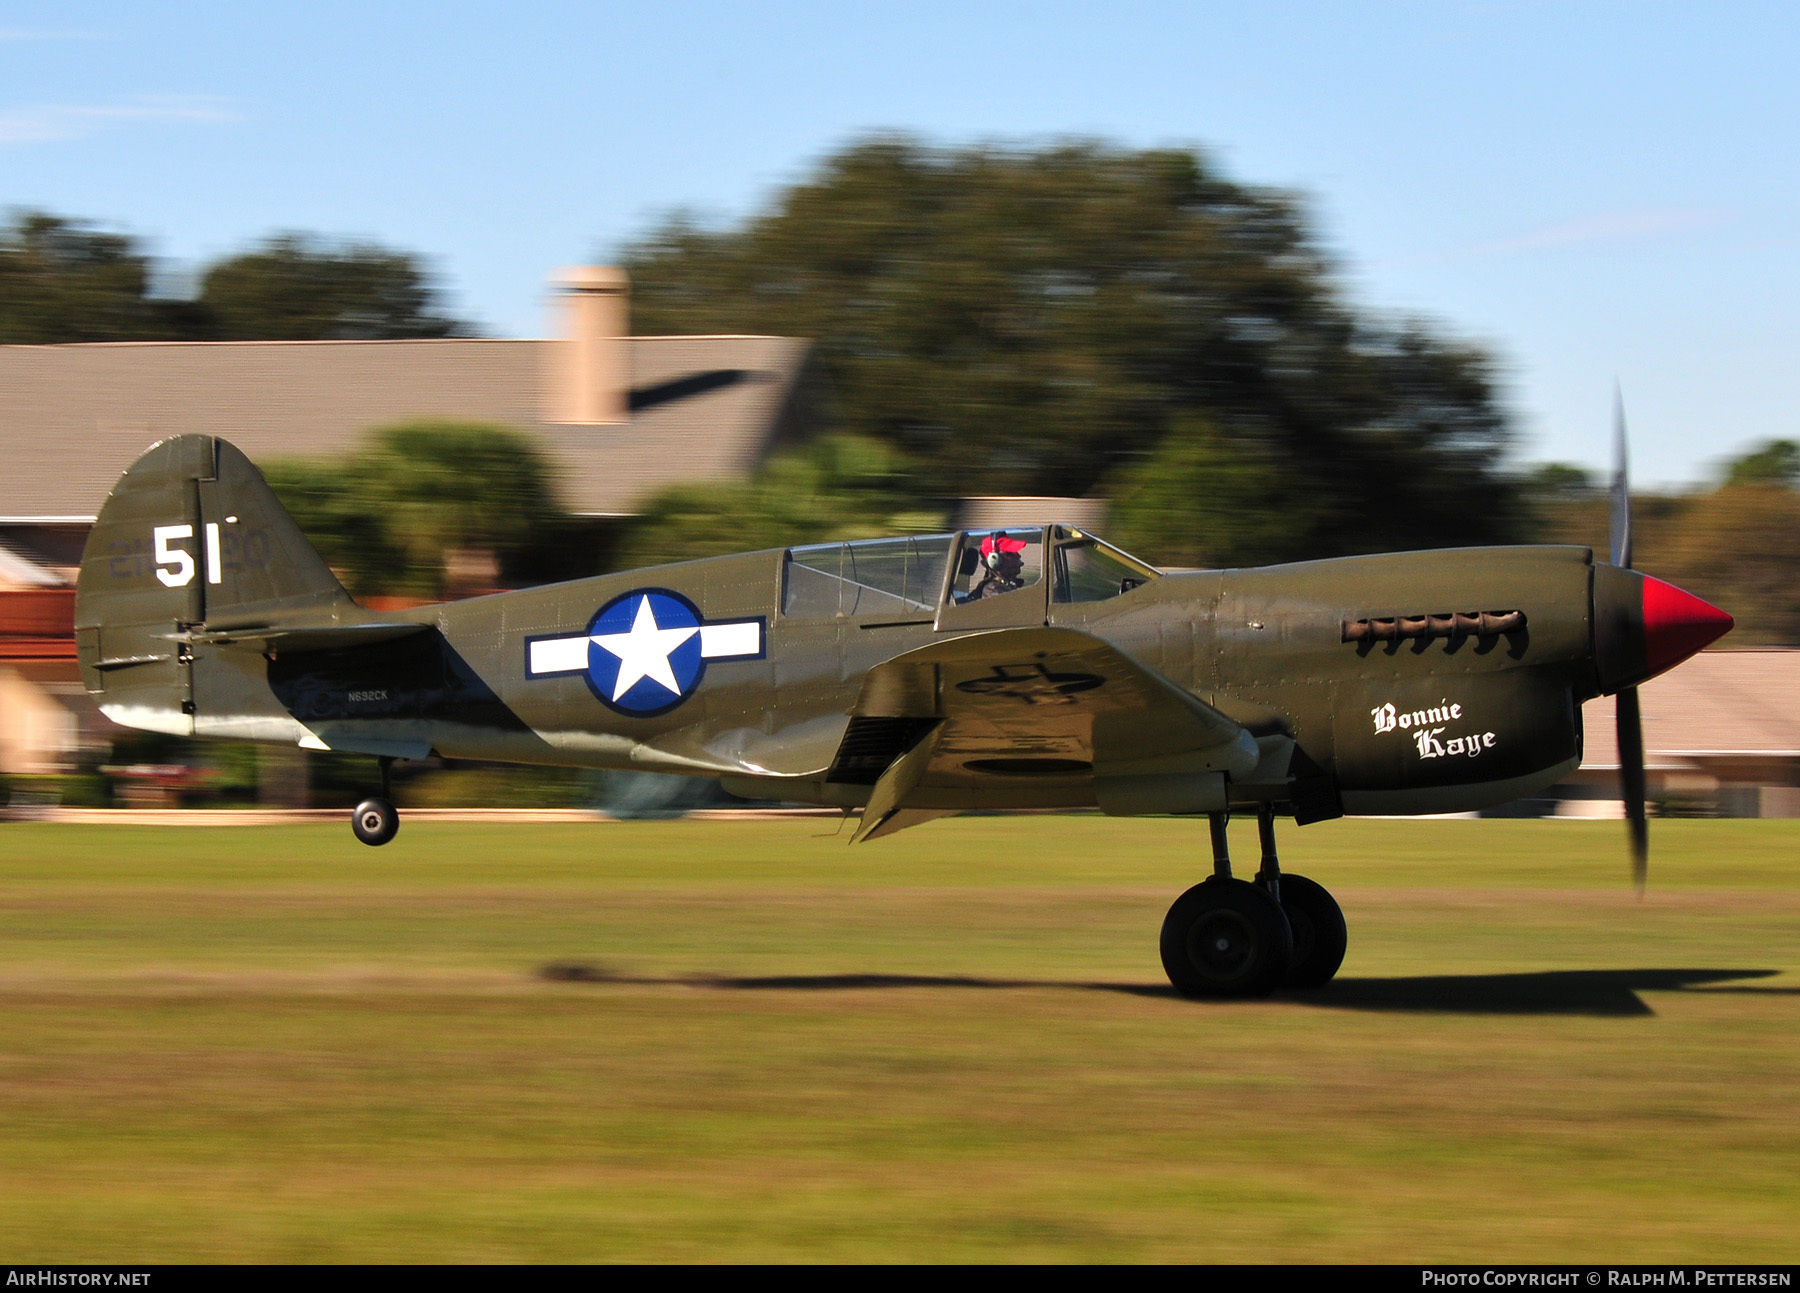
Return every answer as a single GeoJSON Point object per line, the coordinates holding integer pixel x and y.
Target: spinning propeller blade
{"type": "Point", "coordinates": [1621, 488]}
{"type": "Point", "coordinates": [1631, 775]}
{"type": "Point", "coordinates": [1629, 717]}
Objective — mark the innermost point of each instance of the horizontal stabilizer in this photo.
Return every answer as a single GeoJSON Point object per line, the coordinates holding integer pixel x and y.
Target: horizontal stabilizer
{"type": "Point", "coordinates": [299, 638]}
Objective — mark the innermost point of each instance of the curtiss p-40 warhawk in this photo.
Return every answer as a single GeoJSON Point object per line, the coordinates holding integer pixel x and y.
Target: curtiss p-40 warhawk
{"type": "Point", "coordinates": [913, 678]}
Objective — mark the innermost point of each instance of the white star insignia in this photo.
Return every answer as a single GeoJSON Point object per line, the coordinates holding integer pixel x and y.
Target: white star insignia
{"type": "Point", "coordinates": [644, 652]}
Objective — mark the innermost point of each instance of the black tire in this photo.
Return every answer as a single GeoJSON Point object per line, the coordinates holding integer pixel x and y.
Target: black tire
{"type": "Point", "coordinates": [375, 821]}
{"type": "Point", "coordinates": [1320, 936]}
{"type": "Point", "coordinates": [1225, 938]}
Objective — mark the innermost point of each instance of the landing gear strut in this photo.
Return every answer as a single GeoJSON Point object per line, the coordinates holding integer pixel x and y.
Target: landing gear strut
{"type": "Point", "coordinates": [1232, 938]}
{"type": "Point", "coordinates": [1225, 937]}
{"type": "Point", "coordinates": [1312, 913]}
{"type": "Point", "coordinates": [376, 820]}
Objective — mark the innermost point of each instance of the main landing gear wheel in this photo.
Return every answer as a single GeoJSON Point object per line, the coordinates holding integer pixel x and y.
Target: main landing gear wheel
{"type": "Point", "coordinates": [1225, 938]}
{"type": "Point", "coordinates": [1319, 932]}
{"type": "Point", "coordinates": [375, 821]}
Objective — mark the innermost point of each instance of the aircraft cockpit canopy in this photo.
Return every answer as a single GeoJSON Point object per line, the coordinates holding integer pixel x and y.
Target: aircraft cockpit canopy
{"type": "Point", "coordinates": [1088, 570]}
{"type": "Point", "coordinates": [904, 578]}
{"type": "Point", "coordinates": [889, 578]}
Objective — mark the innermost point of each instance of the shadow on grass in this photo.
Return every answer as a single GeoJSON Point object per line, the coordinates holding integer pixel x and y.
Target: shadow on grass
{"type": "Point", "coordinates": [1549, 992]}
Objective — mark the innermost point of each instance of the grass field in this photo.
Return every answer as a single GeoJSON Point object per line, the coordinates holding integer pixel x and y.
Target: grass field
{"type": "Point", "coordinates": [702, 1040]}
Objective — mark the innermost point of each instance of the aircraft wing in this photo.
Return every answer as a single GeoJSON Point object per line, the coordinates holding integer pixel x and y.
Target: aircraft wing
{"type": "Point", "coordinates": [1044, 701]}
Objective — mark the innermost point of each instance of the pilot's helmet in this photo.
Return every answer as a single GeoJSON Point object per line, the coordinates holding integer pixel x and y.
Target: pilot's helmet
{"type": "Point", "coordinates": [996, 548]}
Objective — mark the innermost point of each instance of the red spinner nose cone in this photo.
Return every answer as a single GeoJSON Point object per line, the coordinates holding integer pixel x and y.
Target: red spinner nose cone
{"type": "Point", "coordinates": [1677, 624]}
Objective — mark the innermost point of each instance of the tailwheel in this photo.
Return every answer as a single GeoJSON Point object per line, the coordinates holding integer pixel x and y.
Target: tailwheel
{"type": "Point", "coordinates": [1225, 938]}
{"type": "Point", "coordinates": [1320, 936]}
{"type": "Point", "coordinates": [375, 821]}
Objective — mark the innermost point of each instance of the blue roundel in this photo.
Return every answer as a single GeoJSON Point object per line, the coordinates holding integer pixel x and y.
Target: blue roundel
{"type": "Point", "coordinates": [644, 651]}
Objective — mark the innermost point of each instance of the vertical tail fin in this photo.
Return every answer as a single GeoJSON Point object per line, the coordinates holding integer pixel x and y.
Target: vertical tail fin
{"type": "Point", "coordinates": [190, 536]}
{"type": "Point", "coordinates": [193, 532]}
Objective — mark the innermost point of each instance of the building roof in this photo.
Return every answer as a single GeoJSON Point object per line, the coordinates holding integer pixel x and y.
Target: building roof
{"type": "Point", "coordinates": [1000, 512]}
{"type": "Point", "coordinates": [73, 417]}
{"type": "Point", "coordinates": [1719, 703]}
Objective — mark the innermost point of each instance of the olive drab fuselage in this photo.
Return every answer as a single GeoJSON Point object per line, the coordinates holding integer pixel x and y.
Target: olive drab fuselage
{"type": "Point", "coordinates": [1265, 647]}
{"type": "Point", "coordinates": [1411, 682]}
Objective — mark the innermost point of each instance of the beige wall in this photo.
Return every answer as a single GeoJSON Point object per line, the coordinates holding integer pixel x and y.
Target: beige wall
{"type": "Point", "coordinates": [37, 734]}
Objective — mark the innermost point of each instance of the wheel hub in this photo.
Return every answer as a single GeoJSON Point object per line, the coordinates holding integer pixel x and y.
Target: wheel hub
{"type": "Point", "coordinates": [1220, 942]}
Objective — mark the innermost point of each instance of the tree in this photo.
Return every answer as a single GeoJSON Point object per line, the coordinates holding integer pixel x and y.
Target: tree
{"type": "Point", "coordinates": [344, 524]}
{"type": "Point", "coordinates": [391, 516]}
{"type": "Point", "coordinates": [1204, 499]}
{"type": "Point", "coordinates": [1560, 481]}
{"type": "Point", "coordinates": [839, 487]}
{"type": "Point", "coordinates": [1739, 548]}
{"type": "Point", "coordinates": [297, 288]}
{"type": "Point", "coordinates": [1775, 463]}
{"type": "Point", "coordinates": [62, 282]}
{"type": "Point", "coordinates": [1050, 322]}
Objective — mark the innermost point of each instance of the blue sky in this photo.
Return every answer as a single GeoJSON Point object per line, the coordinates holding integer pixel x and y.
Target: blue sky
{"type": "Point", "coordinates": [1594, 191]}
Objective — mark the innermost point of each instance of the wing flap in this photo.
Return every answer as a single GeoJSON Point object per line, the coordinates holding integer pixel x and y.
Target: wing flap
{"type": "Point", "coordinates": [891, 790]}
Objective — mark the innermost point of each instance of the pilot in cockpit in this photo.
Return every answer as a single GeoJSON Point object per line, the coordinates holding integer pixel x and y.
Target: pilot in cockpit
{"type": "Point", "coordinates": [1003, 567]}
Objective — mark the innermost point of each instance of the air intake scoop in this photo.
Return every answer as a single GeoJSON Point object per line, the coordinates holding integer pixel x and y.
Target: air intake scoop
{"type": "Point", "coordinates": [1677, 624]}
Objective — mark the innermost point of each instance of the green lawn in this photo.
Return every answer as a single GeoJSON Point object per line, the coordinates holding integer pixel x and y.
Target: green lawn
{"type": "Point", "coordinates": [700, 1040]}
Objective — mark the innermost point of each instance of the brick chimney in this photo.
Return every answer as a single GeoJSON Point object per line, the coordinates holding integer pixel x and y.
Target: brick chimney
{"type": "Point", "coordinates": [587, 379]}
